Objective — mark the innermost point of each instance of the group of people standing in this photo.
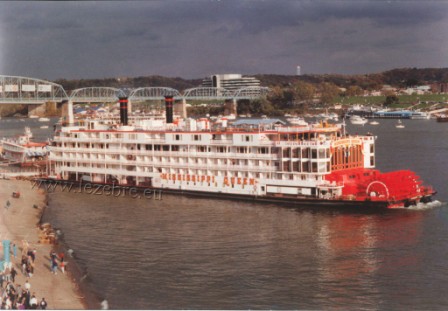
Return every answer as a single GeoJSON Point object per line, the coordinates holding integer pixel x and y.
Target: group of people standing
{"type": "Point", "coordinates": [20, 297]}
{"type": "Point", "coordinates": [54, 258]}
{"type": "Point", "coordinates": [17, 297]}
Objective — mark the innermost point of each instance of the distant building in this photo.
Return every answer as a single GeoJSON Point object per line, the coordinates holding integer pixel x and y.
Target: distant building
{"type": "Point", "coordinates": [387, 89]}
{"type": "Point", "coordinates": [298, 71]}
{"type": "Point", "coordinates": [230, 81]}
{"type": "Point", "coordinates": [418, 90]}
{"type": "Point", "coordinates": [439, 88]}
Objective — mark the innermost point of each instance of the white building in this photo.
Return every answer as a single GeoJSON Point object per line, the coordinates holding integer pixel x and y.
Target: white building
{"type": "Point", "coordinates": [230, 81]}
{"type": "Point", "coordinates": [298, 71]}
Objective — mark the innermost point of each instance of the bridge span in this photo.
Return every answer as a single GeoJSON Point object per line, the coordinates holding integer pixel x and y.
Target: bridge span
{"type": "Point", "coordinates": [36, 93]}
{"type": "Point", "coordinates": [22, 90]}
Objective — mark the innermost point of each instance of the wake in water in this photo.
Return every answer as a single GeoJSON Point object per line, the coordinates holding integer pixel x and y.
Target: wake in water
{"type": "Point", "coordinates": [424, 206]}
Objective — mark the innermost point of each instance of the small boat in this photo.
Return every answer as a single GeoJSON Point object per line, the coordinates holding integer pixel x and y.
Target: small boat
{"type": "Point", "coordinates": [43, 119]}
{"type": "Point", "coordinates": [297, 121]}
{"type": "Point", "coordinates": [358, 120]}
{"type": "Point", "coordinates": [44, 127]}
{"type": "Point", "coordinates": [374, 122]}
{"type": "Point", "coordinates": [399, 125]}
{"type": "Point", "coordinates": [442, 118]}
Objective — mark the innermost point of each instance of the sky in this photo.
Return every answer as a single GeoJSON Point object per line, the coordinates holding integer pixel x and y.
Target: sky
{"type": "Point", "coordinates": [195, 39]}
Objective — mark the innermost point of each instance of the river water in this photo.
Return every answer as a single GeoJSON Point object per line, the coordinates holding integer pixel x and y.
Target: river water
{"type": "Point", "coordinates": [190, 253]}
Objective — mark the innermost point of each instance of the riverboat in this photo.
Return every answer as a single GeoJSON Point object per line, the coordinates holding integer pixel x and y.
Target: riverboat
{"type": "Point", "coordinates": [318, 164]}
{"type": "Point", "coordinates": [21, 150]}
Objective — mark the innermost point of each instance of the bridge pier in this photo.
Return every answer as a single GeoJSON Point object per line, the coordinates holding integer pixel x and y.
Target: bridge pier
{"type": "Point", "coordinates": [230, 107]}
{"type": "Point", "coordinates": [48, 108]}
{"type": "Point", "coordinates": [36, 110]}
{"type": "Point", "coordinates": [180, 108]}
{"type": "Point", "coordinates": [67, 113]}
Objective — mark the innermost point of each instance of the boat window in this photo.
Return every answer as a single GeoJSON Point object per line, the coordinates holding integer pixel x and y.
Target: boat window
{"type": "Point", "coordinates": [246, 138]}
{"type": "Point", "coordinates": [322, 154]}
{"type": "Point", "coordinates": [305, 152]}
{"type": "Point", "coordinates": [305, 167]}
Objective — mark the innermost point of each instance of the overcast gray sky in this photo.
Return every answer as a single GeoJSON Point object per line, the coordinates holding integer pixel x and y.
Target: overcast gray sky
{"type": "Point", "coordinates": [194, 39]}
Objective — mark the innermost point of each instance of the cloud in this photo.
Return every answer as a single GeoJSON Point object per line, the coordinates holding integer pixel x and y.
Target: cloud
{"type": "Point", "coordinates": [195, 38]}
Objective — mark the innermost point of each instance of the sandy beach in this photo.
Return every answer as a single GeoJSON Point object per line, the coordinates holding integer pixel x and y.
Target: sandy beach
{"type": "Point", "coordinates": [19, 224]}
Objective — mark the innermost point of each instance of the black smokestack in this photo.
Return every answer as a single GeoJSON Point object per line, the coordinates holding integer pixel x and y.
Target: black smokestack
{"type": "Point", "coordinates": [169, 108]}
{"type": "Point", "coordinates": [123, 110]}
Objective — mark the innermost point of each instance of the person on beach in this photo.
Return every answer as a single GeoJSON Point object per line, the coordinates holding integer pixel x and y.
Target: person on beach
{"type": "Point", "coordinates": [13, 274]}
{"type": "Point", "coordinates": [24, 264]}
{"type": "Point", "coordinates": [52, 256]}
{"type": "Point", "coordinates": [8, 303]}
{"type": "Point", "coordinates": [29, 268]}
{"type": "Point", "coordinates": [63, 267]}
{"type": "Point", "coordinates": [19, 291]}
{"type": "Point", "coordinates": [33, 301]}
{"type": "Point", "coordinates": [43, 304]}
{"type": "Point", "coordinates": [32, 255]}
{"type": "Point", "coordinates": [7, 273]}
{"type": "Point", "coordinates": [8, 204]}
{"type": "Point", "coordinates": [54, 266]}
{"type": "Point", "coordinates": [27, 285]}
{"type": "Point", "coordinates": [27, 299]}
{"type": "Point", "coordinates": [14, 250]}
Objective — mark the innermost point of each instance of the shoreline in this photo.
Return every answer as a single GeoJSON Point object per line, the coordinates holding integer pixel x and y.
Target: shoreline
{"type": "Point", "coordinates": [89, 298]}
{"type": "Point", "coordinates": [20, 224]}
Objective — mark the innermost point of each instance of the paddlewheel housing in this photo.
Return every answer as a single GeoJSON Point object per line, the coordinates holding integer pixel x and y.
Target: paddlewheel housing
{"type": "Point", "coordinates": [402, 186]}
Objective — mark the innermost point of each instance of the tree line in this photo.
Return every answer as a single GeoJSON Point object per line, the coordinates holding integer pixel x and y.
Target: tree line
{"type": "Point", "coordinates": [288, 93]}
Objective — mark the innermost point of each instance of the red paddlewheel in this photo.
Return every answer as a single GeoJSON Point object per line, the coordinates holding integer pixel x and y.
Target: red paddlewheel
{"type": "Point", "coordinates": [367, 183]}
{"type": "Point", "coordinates": [377, 189]}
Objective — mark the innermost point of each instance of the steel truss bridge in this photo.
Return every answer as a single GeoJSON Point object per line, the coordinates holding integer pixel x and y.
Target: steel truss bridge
{"type": "Point", "coordinates": [23, 90]}
{"type": "Point", "coordinates": [107, 94]}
